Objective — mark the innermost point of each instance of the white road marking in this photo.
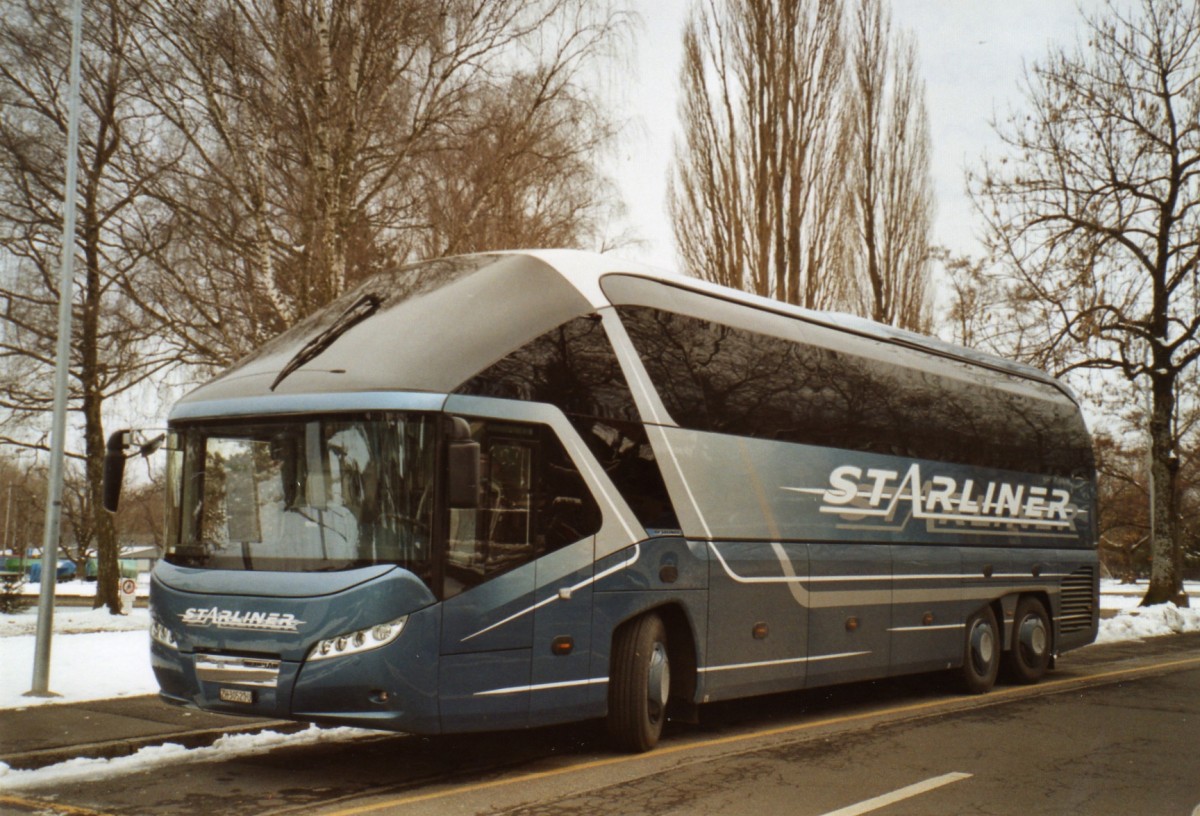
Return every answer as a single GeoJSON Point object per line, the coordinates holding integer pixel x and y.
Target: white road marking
{"type": "Point", "coordinates": [899, 795]}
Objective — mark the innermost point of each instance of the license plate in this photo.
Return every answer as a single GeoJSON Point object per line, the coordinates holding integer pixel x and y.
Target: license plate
{"type": "Point", "coordinates": [230, 695]}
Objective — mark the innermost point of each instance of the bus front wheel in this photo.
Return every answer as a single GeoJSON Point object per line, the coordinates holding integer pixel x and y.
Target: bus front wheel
{"type": "Point", "coordinates": [639, 684]}
{"type": "Point", "coordinates": [981, 657]}
{"type": "Point", "coordinates": [1029, 658]}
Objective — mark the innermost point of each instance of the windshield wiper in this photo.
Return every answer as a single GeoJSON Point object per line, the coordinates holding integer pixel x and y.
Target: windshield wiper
{"type": "Point", "coordinates": [357, 312]}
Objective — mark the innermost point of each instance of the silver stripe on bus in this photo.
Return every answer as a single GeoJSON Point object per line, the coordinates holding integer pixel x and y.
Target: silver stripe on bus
{"type": "Point", "coordinates": [791, 576]}
{"type": "Point", "coordinates": [940, 628]}
{"type": "Point", "coordinates": [637, 552]}
{"type": "Point", "coordinates": [974, 530]}
{"type": "Point", "coordinates": [791, 661]}
{"type": "Point", "coordinates": [591, 681]}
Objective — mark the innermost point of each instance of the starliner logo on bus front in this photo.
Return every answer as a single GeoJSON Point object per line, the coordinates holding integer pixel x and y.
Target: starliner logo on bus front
{"type": "Point", "coordinates": [237, 619]}
{"type": "Point", "coordinates": [944, 501]}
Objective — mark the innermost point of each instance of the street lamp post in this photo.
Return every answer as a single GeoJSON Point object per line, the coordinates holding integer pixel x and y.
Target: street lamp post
{"type": "Point", "coordinates": [45, 624]}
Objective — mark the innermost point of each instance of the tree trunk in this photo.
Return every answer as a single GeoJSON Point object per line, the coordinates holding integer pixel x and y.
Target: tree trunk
{"type": "Point", "coordinates": [91, 386]}
{"type": "Point", "coordinates": [1166, 575]}
{"type": "Point", "coordinates": [108, 568]}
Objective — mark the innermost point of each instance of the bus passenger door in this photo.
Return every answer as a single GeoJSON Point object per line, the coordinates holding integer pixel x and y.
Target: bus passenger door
{"type": "Point", "coordinates": [488, 586]}
{"type": "Point", "coordinates": [517, 620]}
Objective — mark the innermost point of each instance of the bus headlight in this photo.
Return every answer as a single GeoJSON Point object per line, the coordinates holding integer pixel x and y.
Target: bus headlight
{"type": "Point", "coordinates": [163, 635]}
{"type": "Point", "coordinates": [363, 640]}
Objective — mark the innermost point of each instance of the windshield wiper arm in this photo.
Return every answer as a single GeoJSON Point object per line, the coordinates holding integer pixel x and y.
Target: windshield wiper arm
{"type": "Point", "coordinates": [357, 312]}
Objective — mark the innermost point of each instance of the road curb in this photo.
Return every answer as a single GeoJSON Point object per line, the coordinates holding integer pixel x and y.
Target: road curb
{"type": "Point", "coordinates": [112, 749]}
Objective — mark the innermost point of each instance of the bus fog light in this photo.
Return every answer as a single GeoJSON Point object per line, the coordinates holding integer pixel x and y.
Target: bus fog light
{"type": "Point", "coordinates": [362, 640]}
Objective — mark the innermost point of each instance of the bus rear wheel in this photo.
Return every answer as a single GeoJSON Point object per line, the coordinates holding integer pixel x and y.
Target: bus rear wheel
{"type": "Point", "coordinates": [981, 652]}
{"type": "Point", "coordinates": [639, 684]}
{"type": "Point", "coordinates": [1029, 657]}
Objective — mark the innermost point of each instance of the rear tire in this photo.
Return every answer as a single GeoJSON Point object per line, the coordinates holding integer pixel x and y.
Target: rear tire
{"type": "Point", "coordinates": [981, 653]}
{"type": "Point", "coordinates": [639, 684]}
{"type": "Point", "coordinates": [1029, 658]}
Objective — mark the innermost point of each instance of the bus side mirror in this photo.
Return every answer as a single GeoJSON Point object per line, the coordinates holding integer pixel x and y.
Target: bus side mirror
{"type": "Point", "coordinates": [462, 466]}
{"type": "Point", "coordinates": [114, 462]}
{"type": "Point", "coordinates": [114, 469]}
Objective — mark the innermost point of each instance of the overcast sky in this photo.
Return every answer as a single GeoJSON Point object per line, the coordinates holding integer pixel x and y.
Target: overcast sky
{"type": "Point", "coordinates": [972, 54]}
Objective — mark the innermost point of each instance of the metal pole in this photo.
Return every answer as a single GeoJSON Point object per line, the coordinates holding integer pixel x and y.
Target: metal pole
{"type": "Point", "coordinates": [45, 624]}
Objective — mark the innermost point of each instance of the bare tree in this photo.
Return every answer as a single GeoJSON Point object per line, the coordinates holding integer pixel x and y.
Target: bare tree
{"type": "Point", "coordinates": [1094, 208]}
{"type": "Point", "coordinates": [524, 174]}
{"type": "Point", "coordinates": [319, 142]}
{"type": "Point", "coordinates": [110, 352]}
{"type": "Point", "coordinates": [889, 208]}
{"type": "Point", "coordinates": [986, 309]}
{"type": "Point", "coordinates": [757, 177]}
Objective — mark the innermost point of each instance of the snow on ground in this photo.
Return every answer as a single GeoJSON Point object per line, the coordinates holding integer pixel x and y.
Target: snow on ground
{"type": "Point", "coordinates": [85, 639]}
{"type": "Point", "coordinates": [83, 769]}
{"type": "Point", "coordinates": [80, 588]}
{"type": "Point", "coordinates": [1136, 623]}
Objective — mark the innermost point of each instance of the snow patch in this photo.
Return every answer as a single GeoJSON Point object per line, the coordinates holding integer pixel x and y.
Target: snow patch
{"type": "Point", "coordinates": [227, 747]}
{"type": "Point", "coordinates": [1146, 622]}
{"type": "Point", "coordinates": [125, 656]}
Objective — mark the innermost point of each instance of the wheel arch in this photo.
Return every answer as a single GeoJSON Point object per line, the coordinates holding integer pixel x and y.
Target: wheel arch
{"type": "Point", "coordinates": [1005, 609]}
{"type": "Point", "coordinates": [681, 648]}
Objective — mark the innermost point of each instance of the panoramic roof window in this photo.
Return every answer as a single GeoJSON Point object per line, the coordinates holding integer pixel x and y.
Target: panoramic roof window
{"type": "Point", "coordinates": [572, 367]}
{"type": "Point", "coordinates": [715, 377]}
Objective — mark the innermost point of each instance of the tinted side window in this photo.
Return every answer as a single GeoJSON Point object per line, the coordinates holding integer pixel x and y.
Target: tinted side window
{"type": "Point", "coordinates": [534, 502]}
{"type": "Point", "coordinates": [574, 368]}
{"type": "Point", "coordinates": [715, 377]}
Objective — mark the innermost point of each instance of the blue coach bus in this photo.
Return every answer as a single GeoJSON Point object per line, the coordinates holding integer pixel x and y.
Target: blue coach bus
{"type": "Point", "coordinates": [510, 490]}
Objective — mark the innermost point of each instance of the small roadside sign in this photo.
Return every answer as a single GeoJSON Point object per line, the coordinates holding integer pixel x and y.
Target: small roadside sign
{"type": "Point", "coordinates": [128, 592]}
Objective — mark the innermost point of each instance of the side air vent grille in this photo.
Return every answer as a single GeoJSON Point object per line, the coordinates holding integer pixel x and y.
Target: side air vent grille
{"type": "Point", "coordinates": [1078, 601]}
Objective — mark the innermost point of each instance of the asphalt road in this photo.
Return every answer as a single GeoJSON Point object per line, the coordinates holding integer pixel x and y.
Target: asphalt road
{"type": "Point", "coordinates": [1113, 731]}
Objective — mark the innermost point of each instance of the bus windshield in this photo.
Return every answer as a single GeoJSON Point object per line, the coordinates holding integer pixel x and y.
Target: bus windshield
{"type": "Point", "coordinates": [303, 495]}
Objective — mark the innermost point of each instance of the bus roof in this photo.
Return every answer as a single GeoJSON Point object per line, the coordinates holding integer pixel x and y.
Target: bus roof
{"type": "Point", "coordinates": [431, 326]}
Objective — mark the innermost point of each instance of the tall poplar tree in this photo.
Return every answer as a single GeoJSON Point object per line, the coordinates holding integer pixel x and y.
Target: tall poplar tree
{"type": "Point", "coordinates": [889, 205]}
{"type": "Point", "coordinates": [757, 177]}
